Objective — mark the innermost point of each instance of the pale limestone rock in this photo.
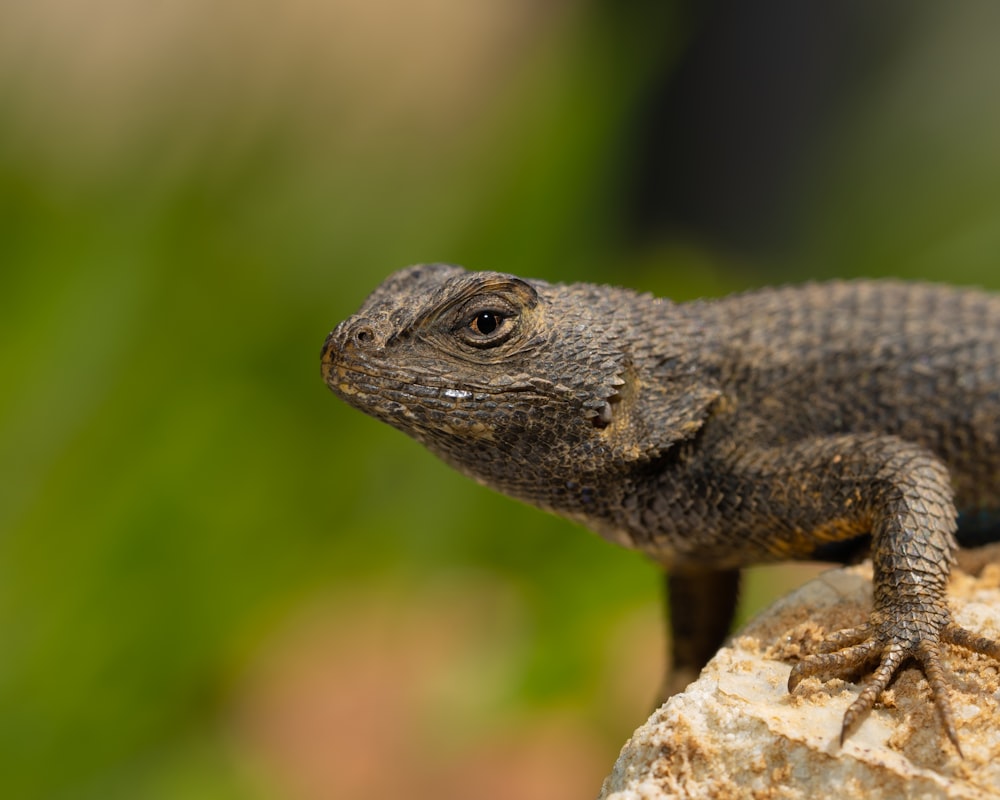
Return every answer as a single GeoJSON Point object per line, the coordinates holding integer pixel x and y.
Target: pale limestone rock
{"type": "Point", "coordinates": [736, 731]}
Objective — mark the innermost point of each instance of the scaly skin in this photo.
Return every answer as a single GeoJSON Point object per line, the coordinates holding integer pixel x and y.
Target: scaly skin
{"type": "Point", "coordinates": [793, 423]}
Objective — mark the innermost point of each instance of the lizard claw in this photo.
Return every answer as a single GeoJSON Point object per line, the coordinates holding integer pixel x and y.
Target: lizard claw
{"type": "Point", "coordinates": [848, 651]}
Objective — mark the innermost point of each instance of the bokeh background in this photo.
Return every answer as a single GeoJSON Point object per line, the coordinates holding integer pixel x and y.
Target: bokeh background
{"type": "Point", "coordinates": [216, 581]}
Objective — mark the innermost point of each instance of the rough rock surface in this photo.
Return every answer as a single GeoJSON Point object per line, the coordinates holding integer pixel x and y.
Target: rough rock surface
{"type": "Point", "coordinates": [737, 732]}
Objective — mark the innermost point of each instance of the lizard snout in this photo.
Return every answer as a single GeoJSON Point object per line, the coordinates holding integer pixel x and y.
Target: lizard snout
{"type": "Point", "coordinates": [356, 333]}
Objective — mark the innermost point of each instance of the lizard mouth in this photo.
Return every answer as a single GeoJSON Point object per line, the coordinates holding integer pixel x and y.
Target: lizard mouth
{"type": "Point", "coordinates": [355, 378]}
{"type": "Point", "coordinates": [363, 387]}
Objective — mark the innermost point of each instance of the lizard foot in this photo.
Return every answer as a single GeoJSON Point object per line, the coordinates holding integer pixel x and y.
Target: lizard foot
{"type": "Point", "coordinates": [846, 652]}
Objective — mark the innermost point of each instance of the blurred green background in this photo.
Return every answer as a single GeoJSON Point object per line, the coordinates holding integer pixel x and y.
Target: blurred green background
{"type": "Point", "coordinates": [216, 580]}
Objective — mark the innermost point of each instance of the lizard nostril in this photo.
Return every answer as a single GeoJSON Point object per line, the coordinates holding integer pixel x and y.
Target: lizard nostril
{"type": "Point", "coordinates": [364, 335]}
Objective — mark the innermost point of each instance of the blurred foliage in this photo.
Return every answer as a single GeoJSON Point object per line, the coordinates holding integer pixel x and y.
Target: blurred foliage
{"type": "Point", "coordinates": [190, 199]}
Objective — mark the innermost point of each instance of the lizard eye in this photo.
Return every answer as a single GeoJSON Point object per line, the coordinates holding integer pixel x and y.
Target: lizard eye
{"type": "Point", "coordinates": [486, 322]}
{"type": "Point", "coordinates": [487, 327]}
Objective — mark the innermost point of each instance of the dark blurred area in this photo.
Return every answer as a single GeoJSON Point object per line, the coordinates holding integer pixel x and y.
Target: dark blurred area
{"type": "Point", "coordinates": [726, 135]}
{"type": "Point", "coordinates": [216, 580]}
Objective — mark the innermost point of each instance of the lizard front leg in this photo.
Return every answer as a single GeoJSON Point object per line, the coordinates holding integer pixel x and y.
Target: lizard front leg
{"type": "Point", "coordinates": [838, 487]}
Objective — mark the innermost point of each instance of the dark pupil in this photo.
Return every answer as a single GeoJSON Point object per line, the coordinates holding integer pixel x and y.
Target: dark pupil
{"type": "Point", "coordinates": [487, 322]}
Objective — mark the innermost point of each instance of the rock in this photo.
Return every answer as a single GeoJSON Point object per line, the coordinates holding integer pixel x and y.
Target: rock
{"type": "Point", "coordinates": [737, 732]}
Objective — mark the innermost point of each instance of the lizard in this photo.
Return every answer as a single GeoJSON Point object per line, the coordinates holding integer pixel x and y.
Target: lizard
{"type": "Point", "coordinates": [813, 421]}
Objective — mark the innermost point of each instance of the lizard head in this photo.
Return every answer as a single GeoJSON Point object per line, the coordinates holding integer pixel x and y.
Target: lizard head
{"type": "Point", "coordinates": [518, 383]}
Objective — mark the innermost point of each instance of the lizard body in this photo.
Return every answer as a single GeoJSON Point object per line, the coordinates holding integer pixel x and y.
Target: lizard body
{"type": "Point", "coordinates": [792, 423]}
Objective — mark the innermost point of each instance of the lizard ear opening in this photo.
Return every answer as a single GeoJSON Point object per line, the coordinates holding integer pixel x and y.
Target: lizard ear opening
{"type": "Point", "coordinates": [604, 415]}
{"type": "Point", "coordinates": [640, 421]}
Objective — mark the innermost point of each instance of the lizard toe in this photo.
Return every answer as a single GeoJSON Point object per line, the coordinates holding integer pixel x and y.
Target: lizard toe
{"type": "Point", "coordinates": [957, 635]}
{"type": "Point", "coordinates": [843, 661]}
{"type": "Point", "coordinates": [848, 637]}
{"type": "Point", "coordinates": [929, 655]}
{"type": "Point", "coordinates": [892, 658]}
